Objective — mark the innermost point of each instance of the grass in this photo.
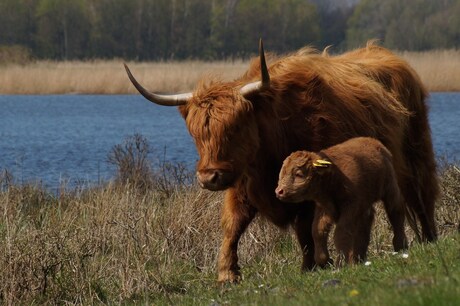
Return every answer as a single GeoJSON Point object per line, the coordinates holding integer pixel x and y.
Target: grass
{"type": "Point", "coordinates": [439, 70]}
{"type": "Point", "coordinates": [115, 244]}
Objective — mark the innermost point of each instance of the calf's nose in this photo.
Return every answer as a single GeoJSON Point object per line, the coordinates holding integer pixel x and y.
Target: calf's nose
{"type": "Point", "coordinates": [279, 191]}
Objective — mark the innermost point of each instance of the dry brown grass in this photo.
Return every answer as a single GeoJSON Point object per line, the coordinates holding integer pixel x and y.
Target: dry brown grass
{"type": "Point", "coordinates": [439, 70]}
{"type": "Point", "coordinates": [108, 244]}
{"type": "Point", "coordinates": [116, 245]}
{"type": "Point", "coordinates": [108, 77]}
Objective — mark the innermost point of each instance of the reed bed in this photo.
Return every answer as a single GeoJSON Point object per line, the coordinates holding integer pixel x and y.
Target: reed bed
{"type": "Point", "coordinates": [439, 70]}
{"type": "Point", "coordinates": [109, 77]}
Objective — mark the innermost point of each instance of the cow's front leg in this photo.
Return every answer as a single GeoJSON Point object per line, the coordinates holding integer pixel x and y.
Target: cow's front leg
{"type": "Point", "coordinates": [236, 216]}
{"type": "Point", "coordinates": [303, 229]}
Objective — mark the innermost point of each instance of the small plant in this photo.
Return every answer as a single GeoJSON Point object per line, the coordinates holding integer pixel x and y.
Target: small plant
{"type": "Point", "coordinates": [170, 176]}
{"type": "Point", "coordinates": [131, 160]}
{"type": "Point", "coordinates": [135, 169]}
{"type": "Point", "coordinates": [6, 180]}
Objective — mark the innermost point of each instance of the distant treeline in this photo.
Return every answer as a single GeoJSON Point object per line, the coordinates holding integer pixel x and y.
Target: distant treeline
{"type": "Point", "coordinates": [217, 29]}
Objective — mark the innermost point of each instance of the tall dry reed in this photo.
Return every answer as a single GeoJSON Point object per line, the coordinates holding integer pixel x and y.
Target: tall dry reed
{"type": "Point", "coordinates": [109, 77]}
{"type": "Point", "coordinates": [439, 70]}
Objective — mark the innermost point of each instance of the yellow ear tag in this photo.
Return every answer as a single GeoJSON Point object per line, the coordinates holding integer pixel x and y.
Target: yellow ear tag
{"type": "Point", "coordinates": [321, 163]}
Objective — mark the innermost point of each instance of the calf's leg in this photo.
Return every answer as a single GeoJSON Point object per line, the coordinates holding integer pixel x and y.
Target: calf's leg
{"type": "Point", "coordinates": [352, 235]}
{"type": "Point", "coordinates": [322, 224]}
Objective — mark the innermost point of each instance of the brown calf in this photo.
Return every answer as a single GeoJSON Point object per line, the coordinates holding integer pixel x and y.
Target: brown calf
{"type": "Point", "coordinates": [344, 181]}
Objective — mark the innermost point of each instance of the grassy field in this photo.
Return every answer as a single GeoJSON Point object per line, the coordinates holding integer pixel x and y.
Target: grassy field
{"type": "Point", "coordinates": [116, 244]}
{"type": "Point", "coordinates": [439, 70]}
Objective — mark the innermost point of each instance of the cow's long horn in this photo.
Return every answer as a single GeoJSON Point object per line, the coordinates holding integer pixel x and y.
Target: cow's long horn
{"type": "Point", "coordinates": [166, 100]}
{"type": "Point", "coordinates": [263, 66]}
{"type": "Point", "coordinates": [255, 87]}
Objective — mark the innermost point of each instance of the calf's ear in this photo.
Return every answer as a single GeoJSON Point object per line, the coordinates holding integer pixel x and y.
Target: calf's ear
{"type": "Point", "coordinates": [321, 166]}
{"type": "Point", "coordinates": [321, 163]}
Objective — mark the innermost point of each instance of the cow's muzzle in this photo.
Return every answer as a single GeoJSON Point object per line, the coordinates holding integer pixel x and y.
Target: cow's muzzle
{"type": "Point", "coordinates": [215, 179]}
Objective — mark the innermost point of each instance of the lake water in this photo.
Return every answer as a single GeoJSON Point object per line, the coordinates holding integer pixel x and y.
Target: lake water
{"type": "Point", "coordinates": [66, 138]}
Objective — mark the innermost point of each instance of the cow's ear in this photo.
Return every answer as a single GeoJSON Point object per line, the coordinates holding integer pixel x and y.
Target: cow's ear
{"type": "Point", "coordinates": [257, 101]}
{"type": "Point", "coordinates": [183, 109]}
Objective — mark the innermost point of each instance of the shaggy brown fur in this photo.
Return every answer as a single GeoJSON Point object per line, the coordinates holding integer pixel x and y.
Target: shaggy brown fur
{"type": "Point", "coordinates": [313, 102]}
{"type": "Point", "coordinates": [360, 174]}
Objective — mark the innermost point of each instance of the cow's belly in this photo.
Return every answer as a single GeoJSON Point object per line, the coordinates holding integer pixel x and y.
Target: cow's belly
{"type": "Point", "coordinates": [280, 213]}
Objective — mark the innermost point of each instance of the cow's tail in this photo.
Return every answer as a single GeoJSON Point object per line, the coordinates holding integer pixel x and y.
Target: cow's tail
{"type": "Point", "coordinates": [412, 221]}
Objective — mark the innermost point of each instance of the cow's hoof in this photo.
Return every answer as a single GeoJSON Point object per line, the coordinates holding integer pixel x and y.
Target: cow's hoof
{"type": "Point", "coordinates": [229, 277]}
{"type": "Point", "coordinates": [324, 263]}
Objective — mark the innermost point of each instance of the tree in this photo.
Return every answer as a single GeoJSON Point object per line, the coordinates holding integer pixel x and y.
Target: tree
{"type": "Point", "coordinates": [63, 29]}
{"type": "Point", "coordinates": [333, 25]}
{"type": "Point", "coordinates": [117, 28]}
{"type": "Point", "coordinates": [284, 25]}
{"type": "Point", "coordinates": [190, 28]}
{"type": "Point", "coordinates": [408, 25]}
{"type": "Point", "coordinates": [19, 24]}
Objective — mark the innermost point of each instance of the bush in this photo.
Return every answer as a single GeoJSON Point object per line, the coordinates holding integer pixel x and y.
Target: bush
{"type": "Point", "coordinates": [448, 206]}
{"type": "Point", "coordinates": [135, 169]}
{"type": "Point", "coordinates": [133, 166]}
{"type": "Point", "coordinates": [14, 54]}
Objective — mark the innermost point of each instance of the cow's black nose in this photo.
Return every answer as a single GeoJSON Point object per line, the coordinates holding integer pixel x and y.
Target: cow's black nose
{"type": "Point", "coordinates": [214, 179]}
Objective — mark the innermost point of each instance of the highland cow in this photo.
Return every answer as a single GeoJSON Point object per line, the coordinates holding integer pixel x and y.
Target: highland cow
{"type": "Point", "coordinates": [244, 129]}
{"type": "Point", "coordinates": [345, 181]}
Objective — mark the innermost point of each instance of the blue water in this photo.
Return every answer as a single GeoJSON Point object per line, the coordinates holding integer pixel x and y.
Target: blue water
{"type": "Point", "coordinates": [66, 138]}
{"type": "Point", "coordinates": [444, 119]}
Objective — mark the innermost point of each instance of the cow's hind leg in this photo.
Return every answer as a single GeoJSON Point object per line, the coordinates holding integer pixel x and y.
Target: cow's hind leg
{"type": "Point", "coordinates": [236, 216]}
{"type": "Point", "coordinates": [421, 200]}
{"type": "Point", "coordinates": [303, 225]}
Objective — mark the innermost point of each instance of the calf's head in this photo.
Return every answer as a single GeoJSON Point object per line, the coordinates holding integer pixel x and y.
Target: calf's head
{"type": "Point", "coordinates": [301, 176]}
{"type": "Point", "coordinates": [221, 119]}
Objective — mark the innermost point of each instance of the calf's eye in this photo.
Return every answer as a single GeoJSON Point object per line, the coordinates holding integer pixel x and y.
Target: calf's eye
{"type": "Point", "coordinates": [299, 174]}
